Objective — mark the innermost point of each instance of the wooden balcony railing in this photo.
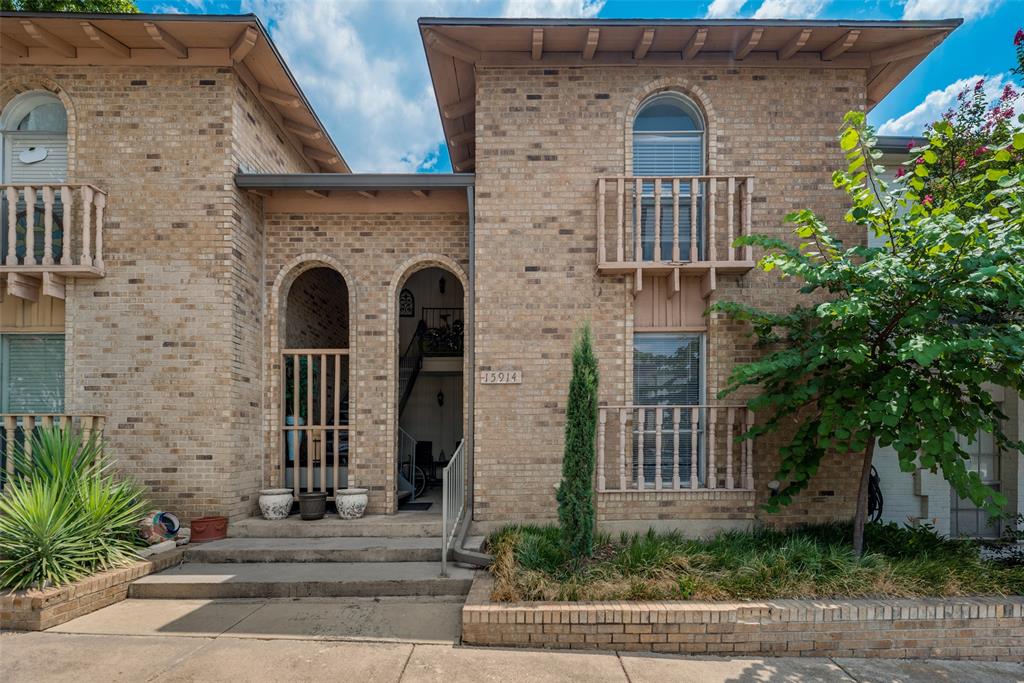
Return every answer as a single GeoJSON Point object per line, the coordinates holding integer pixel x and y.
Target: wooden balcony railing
{"type": "Point", "coordinates": [674, 448]}
{"type": "Point", "coordinates": [681, 225]}
{"type": "Point", "coordinates": [50, 232]}
{"type": "Point", "coordinates": [16, 428]}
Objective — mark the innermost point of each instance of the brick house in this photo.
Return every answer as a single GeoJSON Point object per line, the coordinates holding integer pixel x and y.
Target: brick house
{"type": "Point", "coordinates": [204, 274]}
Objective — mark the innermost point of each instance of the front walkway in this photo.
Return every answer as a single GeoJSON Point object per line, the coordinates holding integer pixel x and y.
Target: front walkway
{"type": "Point", "coordinates": [386, 639]}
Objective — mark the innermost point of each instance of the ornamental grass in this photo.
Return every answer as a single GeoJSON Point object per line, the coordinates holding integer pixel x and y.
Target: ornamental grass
{"type": "Point", "coordinates": [811, 562]}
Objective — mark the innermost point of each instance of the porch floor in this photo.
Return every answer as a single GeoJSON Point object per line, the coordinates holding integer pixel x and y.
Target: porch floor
{"type": "Point", "coordinates": [403, 524]}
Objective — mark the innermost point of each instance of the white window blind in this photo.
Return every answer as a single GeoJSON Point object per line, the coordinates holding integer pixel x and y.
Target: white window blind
{"type": "Point", "coordinates": [667, 371]}
{"type": "Point", "coordinates": [32, 373]}
{"type": "Point", "coordinates": [667, 154]}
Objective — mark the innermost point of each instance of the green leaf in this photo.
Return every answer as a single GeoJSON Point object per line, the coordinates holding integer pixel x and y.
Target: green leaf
{"type": "Point", "coordinates": [1018, 140]}
{"type": "Point", "coordinates": [849, 139]}
{"type": "Point", "coordinates": [995, 173]}
{"type": "Point", "coordinates": [930, 156]}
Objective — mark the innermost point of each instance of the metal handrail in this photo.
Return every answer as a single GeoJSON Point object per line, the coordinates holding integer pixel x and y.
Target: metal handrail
{"type": "Point", "coordinates": [453, 501]}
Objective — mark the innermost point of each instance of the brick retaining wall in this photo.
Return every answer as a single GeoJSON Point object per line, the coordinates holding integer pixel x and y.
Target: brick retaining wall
{"type": "Point", "coordinates": [38, 610]}
{"type": "Point", "coordinates": [961, 628]}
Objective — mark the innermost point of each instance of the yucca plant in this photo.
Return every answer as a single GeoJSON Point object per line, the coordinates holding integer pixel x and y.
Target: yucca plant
{"type": "Point", "coordinates": [64, 515]}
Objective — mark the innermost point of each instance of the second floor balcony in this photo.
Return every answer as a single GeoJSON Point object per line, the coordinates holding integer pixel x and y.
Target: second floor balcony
{"type": "Point", "coordinates": [678, 226]}
{"type": "Point", "coordinates": [49, 233]}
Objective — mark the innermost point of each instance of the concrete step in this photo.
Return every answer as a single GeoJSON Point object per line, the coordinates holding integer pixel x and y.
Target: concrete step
{"type": "Point", "coordinates": [302, 580]}
{"type": "Point", "coordinates": [411, 524]}
{"type": "Point", "coordinates": [337, 549]}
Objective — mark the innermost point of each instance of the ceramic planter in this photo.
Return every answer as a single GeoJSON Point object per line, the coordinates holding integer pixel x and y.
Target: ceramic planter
{"type": "Point", "coordinates": [312, 505]}
{"type": "Point", "coordinates": [275, 503]}
{"type": "Point", "coordinates": [209, 529]}
{"type": "Point", "coordinates": [351, 503]}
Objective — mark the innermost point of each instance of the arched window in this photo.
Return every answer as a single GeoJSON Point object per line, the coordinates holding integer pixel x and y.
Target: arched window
{"type": "Point", "coordinates": [668, 142]}
{"type": "Point", "coordinates": [34, 135]}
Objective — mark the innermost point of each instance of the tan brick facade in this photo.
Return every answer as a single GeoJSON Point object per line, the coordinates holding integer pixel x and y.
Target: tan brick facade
{"type": "Point", "coordinates": [179, 344]}
{"type": "Point", "coordinates": [543, 138]}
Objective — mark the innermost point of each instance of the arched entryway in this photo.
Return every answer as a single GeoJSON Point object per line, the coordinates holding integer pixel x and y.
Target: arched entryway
{"type": "Point", "coordinates": [430, 406]}
{"type": "Point", "coordinates": [314, 395]}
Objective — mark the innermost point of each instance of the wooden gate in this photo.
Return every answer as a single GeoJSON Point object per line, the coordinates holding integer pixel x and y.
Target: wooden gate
{"type": "Point", "coordinates": [314, 420]}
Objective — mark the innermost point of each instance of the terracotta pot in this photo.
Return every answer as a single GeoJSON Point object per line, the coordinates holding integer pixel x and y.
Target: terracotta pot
{"type": "Point", "coordinates": [351, 503]}
{"type": "Point", "coordinates": [209, 529]}
{"type": "Point", "coordinates": [312, 505]}
{"type": "Point", "coordinates": [275, 503]}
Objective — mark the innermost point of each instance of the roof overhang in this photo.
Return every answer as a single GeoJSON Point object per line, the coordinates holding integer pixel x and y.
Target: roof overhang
{"type": "Point", "coordinates": [886, 50]}
{"type": "Point", "coordinates": [238, 41]}
{"type": "Point", "coordinates": [359, 192]}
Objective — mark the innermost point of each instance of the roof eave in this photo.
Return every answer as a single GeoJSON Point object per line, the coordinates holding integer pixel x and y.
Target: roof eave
{"type": "Point", "coordinates": [353, 181]}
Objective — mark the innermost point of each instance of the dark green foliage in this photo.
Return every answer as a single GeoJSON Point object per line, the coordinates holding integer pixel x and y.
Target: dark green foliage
{"type": "Point", "coordinates": [900, 341]}
{"type": "Point", "coordinates": [97, 6]}
{"type": "Point", "coordinates": [64, 515]}
{"type": "Point", "coordinates": [576, 490]}
{"type": "Point", "coordinates": [811, 562]}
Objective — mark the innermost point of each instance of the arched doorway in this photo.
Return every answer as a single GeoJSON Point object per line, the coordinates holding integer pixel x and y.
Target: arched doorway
{"type": "Point", "coordinates": [430, 409]}
{"type": "Point", "coordinates": [315, 361]}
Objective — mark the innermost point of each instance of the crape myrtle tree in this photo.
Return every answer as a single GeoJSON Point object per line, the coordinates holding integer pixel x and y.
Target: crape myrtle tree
{"type": "Point", "coordinates": [115, 6]}
{"type": "Point", "coordinates": [576, 490]}
{"type": "Point", "coordinates": [895, 344]}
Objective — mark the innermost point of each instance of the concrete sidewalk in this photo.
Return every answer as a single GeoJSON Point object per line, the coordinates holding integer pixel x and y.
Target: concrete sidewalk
{"type": "Point", "coordinates": [380, 640]}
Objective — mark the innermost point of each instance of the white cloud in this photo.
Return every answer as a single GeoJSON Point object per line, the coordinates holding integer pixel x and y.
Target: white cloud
{"type": "Point", "coordinates": [937, 102]}
{"type": "Point", "coordinates": [789, 9]}
{"type": "Point", "coordinates": [948, 9]}
{"type": "Point", "coordinates": [361, 64]}
{"type": "Point", "coordinates": [725, 9]}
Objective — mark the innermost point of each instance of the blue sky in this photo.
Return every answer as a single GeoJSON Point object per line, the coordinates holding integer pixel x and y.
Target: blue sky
{"type": "Point", "coordinates": [367, 77]}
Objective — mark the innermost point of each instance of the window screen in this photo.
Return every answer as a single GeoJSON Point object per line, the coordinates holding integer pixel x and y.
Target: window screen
{"type": "Point", "coordinates": [967, 519]}
{"type": "Point", "coordinates": [32, 373]}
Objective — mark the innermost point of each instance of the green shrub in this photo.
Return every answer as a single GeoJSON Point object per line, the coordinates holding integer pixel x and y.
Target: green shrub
{"type": "Point", "coordinates": [576, 490]}
{"type": "Point", "coordinates": [64, 515]}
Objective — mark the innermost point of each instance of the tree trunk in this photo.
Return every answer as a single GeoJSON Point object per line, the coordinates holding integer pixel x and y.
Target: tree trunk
{"type": "Point", "coordinates": [862, 499]}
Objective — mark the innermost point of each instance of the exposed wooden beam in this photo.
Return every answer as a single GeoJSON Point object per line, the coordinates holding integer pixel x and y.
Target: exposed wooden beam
{"type": "Point", "coordinates": [844, 43]}
{"type": "Point", "coordinates": [590, 47]}
{"type": "Point", "coordinates": [748, 44]}
{"type": "Point", "coordinates": [463, 138]}
{"type": "Point", "coordinates": [452, 48]}
{"type": "Point", "coordinates": [643, 46]}
{"type": "Point", "coordinates": [23, 286]}
{"type": "Point", "coordinates": [368, 194]}
{"type": "Point", "coordinates": [105, 40]}
{"type": "Point", "coordinates": [301, 130]}
{"type": "Point", "coordinates": [13, 47]}
{"type": "Point", "coordinates": [422, 194]}
{"type": "Point", "coordinates": [280, 98]}
{"type": "Point", "coordinates": [537, 44]}
{"type": "Point", "coordinates": [54, 285]}
{"type": "Point", "coordinates": [319, 194]}
{"type": "Point", "coordinates": [58, 45]}
{"type": "Point", "coordinates": [321, 156]}
{"type": "Point", "coordinates": [794, 46]}
{"type": "Point", "coordinates": [166, 40]}
{"type": "Point", "coordinates": [244, 44]}
{"type": "Point", "coordinates": [459, 109]}
{"type": "Point", "coordinates": [696, 42]}
{"type": "Point", "coordinates": [465, 165]}
{"type": "Point", "coordinates": [882, 79]}
{"type": "Point", "coordinates": [911, 48]}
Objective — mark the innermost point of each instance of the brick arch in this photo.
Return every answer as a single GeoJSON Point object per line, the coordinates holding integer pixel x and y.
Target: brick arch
{"type": "Point", "coordinates": [398, 280]}
{"type": "Point", "coordinates": [275, 331]}
{"type": "Point", "coordinates": [13, 87]}
{"type": "Point", "coordinates": [686, 88]}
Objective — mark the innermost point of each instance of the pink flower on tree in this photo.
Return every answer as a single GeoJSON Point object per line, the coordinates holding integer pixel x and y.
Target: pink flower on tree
{"type": "Point", "coordinates": [1018, 39]}
{"type": "Point", "coordinates": [911, 145]}
{"type": "Point", "coordinates": [900, 172]}
{"type": "Point", "coordinates": [981, 150]}
{"type": "Point", "coordinates": [961, 162]}
{"type": "Point", "coordinates": [928, 199]}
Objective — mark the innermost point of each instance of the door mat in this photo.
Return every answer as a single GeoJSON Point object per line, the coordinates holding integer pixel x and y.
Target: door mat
{"type": "Point", "coordinates": [415, 506]}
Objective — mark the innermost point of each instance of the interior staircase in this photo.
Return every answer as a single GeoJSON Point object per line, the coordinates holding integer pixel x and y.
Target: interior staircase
{"type": "Point", "coordinates": [369, 557]}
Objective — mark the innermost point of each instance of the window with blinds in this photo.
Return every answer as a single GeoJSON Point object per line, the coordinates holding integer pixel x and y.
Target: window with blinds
{"type": "Point", "coordinates": [32, 373]}
{"type": "Point", "coordinates": [966, 518]}
{"type": "Point", "coordinates": [668, 141]}
{"type": "Point", "coordinates": [668, 370]}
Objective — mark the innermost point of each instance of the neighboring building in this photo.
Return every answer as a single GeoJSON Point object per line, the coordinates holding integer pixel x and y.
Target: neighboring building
{"type": "Point", "coordinates": [925, 497]}
{"type": "Point", "coordinates": [202, 271]}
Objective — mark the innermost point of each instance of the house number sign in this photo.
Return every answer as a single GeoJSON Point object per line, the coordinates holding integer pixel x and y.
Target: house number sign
{"type": "Point", "coordinates": [501, 377]}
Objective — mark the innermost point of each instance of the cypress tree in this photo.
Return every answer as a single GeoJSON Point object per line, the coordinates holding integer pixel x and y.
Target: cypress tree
{"type": "Point", "coordinates": [576, 490]}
